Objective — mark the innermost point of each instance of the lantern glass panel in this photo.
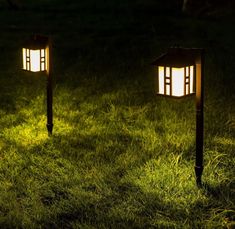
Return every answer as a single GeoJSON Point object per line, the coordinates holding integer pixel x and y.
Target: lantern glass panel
{"type": "Point", "coordinates": [187, 89]}
{"type": "Point", "coordinates": [24, 59]}
{"type": "Point", "coordinates": [161, 80]}
{"type": "Point", "coordinates": [191, 80]}
{"type": "Point", "coordinates": [168, 89]}
{"type": "Point", "coordinates": [177, 81]}
{"type": "Point", "coordinates": [167, 72]}
{"type": "Point", "coordinates": [187, 71]}
{"type": "Point", "coordinates": [35, 60]}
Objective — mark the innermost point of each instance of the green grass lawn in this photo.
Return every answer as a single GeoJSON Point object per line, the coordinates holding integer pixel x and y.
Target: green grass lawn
{"type": "Point", "coordinates": [119, 157]}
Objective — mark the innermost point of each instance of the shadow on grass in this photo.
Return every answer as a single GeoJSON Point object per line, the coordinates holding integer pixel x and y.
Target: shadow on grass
{"type": "Point", "coordinates": [129, 207]}
{"type": "Point", "coordinates": [221, 191]}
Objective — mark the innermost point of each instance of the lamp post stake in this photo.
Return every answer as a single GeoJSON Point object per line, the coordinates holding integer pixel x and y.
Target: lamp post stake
{"type": "Point", "coordinates": [181, 58]}
{"type": "Point", "coordinates": [199, 115]}
{"type": "Point", "coordinates": [49, 91]}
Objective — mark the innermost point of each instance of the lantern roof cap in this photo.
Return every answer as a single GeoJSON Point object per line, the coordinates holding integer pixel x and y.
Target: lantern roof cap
{"type": "Point", "coordinates": [36, 42]}
{"type": "Point", "coordinates": [176, 57]}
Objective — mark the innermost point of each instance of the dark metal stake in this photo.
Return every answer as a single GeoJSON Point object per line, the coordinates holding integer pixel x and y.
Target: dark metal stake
{"type": "Point", "coordinates": [49, 93]}
{"type": "Point", "coordinates": [199, 115]}
{"type": "Point", "coordinates": [49, 105]}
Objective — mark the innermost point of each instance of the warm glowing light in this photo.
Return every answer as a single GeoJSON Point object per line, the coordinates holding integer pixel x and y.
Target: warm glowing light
{"type": "Point", "coordinates": [34, 60]}
{"type": "Point", "coordinates": [191, 80]}
{"type": "Point", "coordinates": [161, 80]}
{"type": "Point", "coordinates": [175, 81]}
{"type": "Point", "coordinates": [24, 58]}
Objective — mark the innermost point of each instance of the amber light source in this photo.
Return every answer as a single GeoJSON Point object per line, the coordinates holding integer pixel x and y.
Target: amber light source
{"type": "Point", "coordinates": [179, 73]}
{"type": "Point", "coordinates": [36, 58]}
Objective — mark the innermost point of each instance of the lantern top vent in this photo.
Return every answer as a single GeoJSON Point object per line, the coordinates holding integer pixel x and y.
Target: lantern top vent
{"type": "Point", "coordinates": [36, 42]}
{"type": "Point", "coordinates": [176, 57]}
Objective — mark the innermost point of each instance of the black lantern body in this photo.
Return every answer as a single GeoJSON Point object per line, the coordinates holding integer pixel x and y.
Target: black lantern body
{"type": "Point", "coordinates": [175, 73]}
{"type": "Point", "coordinates": [36, 54]}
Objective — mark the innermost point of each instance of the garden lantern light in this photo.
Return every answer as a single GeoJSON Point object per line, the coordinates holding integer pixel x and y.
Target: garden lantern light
{"type": "Point", "coordinates": [36, 54]}
{"type": "Point", "coordinates": [36, 58]}
{"type": "Point", "coordinates": [179, 74]}
{"type": "Point", "coordinates": [175, 73]}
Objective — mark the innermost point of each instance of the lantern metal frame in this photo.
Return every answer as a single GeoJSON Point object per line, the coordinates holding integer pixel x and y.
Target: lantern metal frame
{"type": "Point", "coordinates": [39, 42]}
{"type": "Point", "coordinates": [181, 57]}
